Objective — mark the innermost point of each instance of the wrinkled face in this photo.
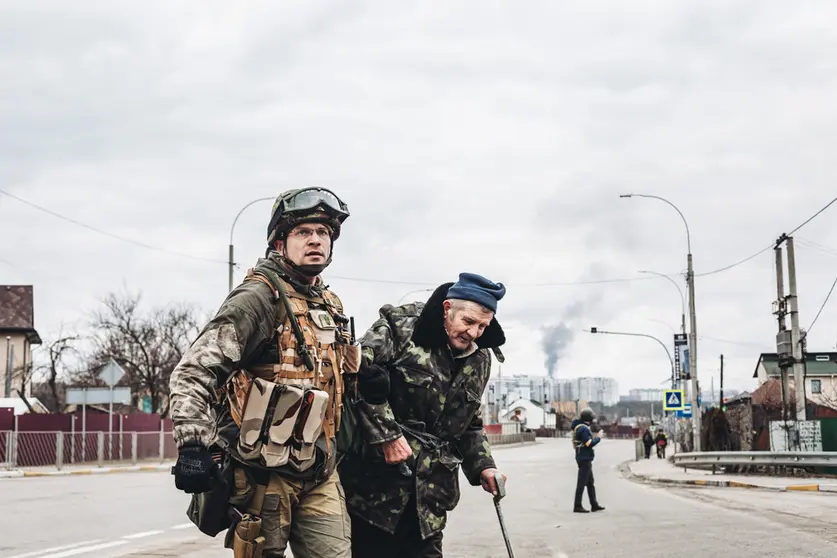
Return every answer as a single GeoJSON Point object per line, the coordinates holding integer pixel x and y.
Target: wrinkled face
{"type": "Point", "coordinates": [465, 321]}
{"type": "Point", "coordinates": [307, 244]}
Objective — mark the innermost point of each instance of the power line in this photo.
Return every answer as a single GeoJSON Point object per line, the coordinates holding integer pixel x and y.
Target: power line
{"type": "Point", "coordinates": [106, 233]}
{"type": "Point", "coordinates": [831, 290]}
{"type": "Point", "coordinates": [422, 283]}
{"type": "Point", "coordinates": [745, 260]}
{"type": "Point", "coordinates": [812, 217]}
{"type": "Point", "coordinates": [742, 343]}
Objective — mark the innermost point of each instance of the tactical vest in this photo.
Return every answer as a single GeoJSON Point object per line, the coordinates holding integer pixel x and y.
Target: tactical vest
{"type": "Point", "coordinates": [576, 442]}
{"type": "Point", "coordinates": [283, 408]}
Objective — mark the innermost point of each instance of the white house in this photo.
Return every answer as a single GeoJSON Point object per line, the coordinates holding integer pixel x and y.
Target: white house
{"type": "Point", "coordinates": [532, 415]}
{"type": "Point", "coordinates": [820, 375]}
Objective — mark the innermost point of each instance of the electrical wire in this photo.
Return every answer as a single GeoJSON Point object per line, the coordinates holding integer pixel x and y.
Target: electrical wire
{"type": "Point", "coordinates": [106, 233]}
{"type": "Point", "coordinates": [812, 217]}
{"type": "Point", "coordinates": [831, 290]}
{"type": "Point", "coordinates": [422, 283]}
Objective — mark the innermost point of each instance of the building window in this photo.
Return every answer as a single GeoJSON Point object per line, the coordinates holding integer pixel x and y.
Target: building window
{"type": "Point", "coordinates": [816, 386]}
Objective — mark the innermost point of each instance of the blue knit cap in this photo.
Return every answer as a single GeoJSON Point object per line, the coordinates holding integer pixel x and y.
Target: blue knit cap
{"type": "Point", "coordinates": [477, 288]}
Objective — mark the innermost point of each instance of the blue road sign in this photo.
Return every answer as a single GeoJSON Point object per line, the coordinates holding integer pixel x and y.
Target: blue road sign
{"type": "Point", "coordinates": [673, 400]}
{"type": "Point", "coordinates": [685, 413]}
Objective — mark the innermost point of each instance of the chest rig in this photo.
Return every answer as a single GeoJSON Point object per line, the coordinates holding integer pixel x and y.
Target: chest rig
{"type": "Point", "coordinates": [283, 408]}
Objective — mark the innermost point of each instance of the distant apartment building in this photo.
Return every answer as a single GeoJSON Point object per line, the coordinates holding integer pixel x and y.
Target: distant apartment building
{"type": "Point", "coordinates": [645, 395]}
{"type": "Point", "coordinates": [544, 389]}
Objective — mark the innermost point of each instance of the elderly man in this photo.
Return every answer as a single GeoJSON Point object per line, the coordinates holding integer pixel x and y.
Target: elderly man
{"type": "Point", "coordinates": [423, 371]}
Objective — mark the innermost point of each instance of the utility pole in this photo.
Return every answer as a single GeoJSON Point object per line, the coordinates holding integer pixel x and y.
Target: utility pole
{"type": "Point", "coordinates": [788, 343]}
{"type": "Point", "coordinates": [793, 303]}
{"type": "Point", "coordinates": [696, 415]}
{"type": "Point", "coordinates": [783, 336]}
{"type": "Point", "coordinates": [722, 381]}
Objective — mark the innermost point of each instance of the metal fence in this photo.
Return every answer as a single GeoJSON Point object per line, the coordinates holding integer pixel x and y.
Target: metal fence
{"type": "Point", "coordinates": [60, 449]}
{"type": "Point", "coordinates": [715, 459]}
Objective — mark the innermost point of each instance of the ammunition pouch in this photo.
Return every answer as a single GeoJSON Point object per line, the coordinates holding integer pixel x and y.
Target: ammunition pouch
{"type": "Point", "coordinates": [280, 423]}
{"type": "Point", "coordinates": [247, 539]}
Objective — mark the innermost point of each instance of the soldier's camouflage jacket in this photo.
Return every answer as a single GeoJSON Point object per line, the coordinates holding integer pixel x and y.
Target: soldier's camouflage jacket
{"type": "Point", "coordinates": [241, 334]}
{"type": "Point", "coordinates": [429, 390]}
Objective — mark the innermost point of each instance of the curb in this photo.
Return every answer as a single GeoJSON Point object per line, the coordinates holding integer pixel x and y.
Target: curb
{"type": "Point", "coordinates": [728, 484]}
{"type": "Point", "coordinates": [93, 471]}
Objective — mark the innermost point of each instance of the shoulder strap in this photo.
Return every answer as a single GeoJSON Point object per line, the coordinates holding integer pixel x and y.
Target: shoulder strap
{"type": "Point", "coordinates": [280, 292]}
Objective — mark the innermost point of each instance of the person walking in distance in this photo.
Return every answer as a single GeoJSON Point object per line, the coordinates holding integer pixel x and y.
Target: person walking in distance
{"type": "Point", "coordinates": [583, 443]}
{"type": "Point", "coordinates": [262, 386]}
{"type": "Point", "coordinates": [647, 441]}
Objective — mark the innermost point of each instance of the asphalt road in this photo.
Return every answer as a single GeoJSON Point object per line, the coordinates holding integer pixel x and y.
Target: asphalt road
{"type": "Point", "coordinates": [140, 515]}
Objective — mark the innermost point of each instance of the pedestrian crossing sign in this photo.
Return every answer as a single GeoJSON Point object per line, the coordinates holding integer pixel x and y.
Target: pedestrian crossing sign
{"type": "Point", "coordinates": [673, 400]}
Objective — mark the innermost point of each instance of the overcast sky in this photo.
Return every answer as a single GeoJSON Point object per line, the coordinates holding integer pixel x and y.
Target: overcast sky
{"type": "Point", "coordinates": [464, 136]}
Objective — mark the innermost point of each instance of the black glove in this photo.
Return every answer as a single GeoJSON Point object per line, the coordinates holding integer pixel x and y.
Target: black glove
{"type": "Point", "coordinates": [373, 383]}
{"type": "Point", "coordinates": [195, 471]}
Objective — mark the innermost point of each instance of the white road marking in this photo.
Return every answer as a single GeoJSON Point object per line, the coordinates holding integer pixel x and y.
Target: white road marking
{"type": "Point", "coordinates": [55, 549]}
{"type": "Point", "coordinates": [141, 535]}
{"type": "Point", "coordinates": [184, 526]}
{"type": "Point", "coordinates": [84, 550]}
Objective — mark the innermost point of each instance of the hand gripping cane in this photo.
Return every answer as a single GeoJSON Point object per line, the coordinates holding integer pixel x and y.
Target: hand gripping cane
{"type": "Point", "coordinates": [501, 492]}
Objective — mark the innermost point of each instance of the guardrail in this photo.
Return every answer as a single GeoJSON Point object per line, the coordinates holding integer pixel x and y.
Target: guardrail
{"type": "Point", "coordinates": [793, 459]}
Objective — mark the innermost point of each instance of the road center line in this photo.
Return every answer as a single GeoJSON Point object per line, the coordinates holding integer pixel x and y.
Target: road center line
{"type": "Point", "coordinates": [55, 549]}
{"type": "Point", "coordinates": [183, 526]}
{"type": "Point", "coordinates": [141, 535]}
{"type": "Point", "coordinates": [84, 550]}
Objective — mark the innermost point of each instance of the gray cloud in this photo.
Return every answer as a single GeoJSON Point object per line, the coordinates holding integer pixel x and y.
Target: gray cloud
{"type": "Point", "coordinates": [490, 141]}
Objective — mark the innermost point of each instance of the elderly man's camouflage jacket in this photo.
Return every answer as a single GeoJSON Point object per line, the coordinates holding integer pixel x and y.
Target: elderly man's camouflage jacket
{"type": "Point", "coordinates": [434, 399]}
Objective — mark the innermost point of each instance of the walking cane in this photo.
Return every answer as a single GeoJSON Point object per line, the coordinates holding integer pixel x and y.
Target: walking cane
{"type": "Point", "coordinates": [501, 492]}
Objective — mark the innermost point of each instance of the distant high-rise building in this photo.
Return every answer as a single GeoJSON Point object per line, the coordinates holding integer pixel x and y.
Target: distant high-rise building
{"type": "Point", "coordinates": [544, 389]}
{"type": "Point", "coordinates": [643, 394]}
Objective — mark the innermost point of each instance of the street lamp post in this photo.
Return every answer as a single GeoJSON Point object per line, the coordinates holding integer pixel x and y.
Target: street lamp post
{"type": "Point", "coordinates": [630, 334]}
{"type": "Point", "coordinates": [400, 300]}
{"type": "Point", "coordinates": [690, 281]}
{"type": "Point", "coordinates": [231, 262]}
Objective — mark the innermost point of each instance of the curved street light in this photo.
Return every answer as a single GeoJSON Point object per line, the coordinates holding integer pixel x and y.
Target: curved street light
{"type": "Point", "coordinates": [400, 300]}
{"type": "Point", "coordinates": [690, 281]}
{"type": "Point", "coordinates": [630, 334]}
{"type": "Point", "coordinates": [682, 298]}
{"type": "Point", "coordinates": [231, 263]}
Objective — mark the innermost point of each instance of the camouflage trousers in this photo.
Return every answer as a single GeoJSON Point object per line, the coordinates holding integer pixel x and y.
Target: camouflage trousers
{"type": "Point", "coordinates": [311, 518]}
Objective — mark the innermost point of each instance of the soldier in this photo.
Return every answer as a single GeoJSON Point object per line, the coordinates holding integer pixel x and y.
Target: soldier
{"type": "Point", "coordinates": [424, 367]}
{"type": "Point", "coordinates": [270, 367]}
{"type": "Point", "coordinates": [583, 443]}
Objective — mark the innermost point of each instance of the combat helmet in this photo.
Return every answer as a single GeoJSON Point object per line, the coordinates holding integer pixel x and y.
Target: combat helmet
{"type": "Point", "coordinates": [587, 415]}
{"type": "Point", "coordinates": [306, 205]}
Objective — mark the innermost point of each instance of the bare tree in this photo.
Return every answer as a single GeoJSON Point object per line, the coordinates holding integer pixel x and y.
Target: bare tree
{"type": "Point", "coordinates": [147, 345]}
{"type": "Point", "coordinates": [56, 370]}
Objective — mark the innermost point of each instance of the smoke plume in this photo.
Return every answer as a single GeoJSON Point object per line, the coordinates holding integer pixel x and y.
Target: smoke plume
{"type": "Point", "coordinates": [556, 338]}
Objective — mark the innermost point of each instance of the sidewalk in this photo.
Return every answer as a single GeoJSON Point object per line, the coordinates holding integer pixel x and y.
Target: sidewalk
{"type": "Point", "coordinates": [86, 469]}
{"type": "Point", "coordinates": [664, 472]}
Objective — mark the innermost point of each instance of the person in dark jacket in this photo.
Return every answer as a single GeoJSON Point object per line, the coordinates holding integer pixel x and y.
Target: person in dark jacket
{"type": "Point", "coordinates": [662, 442]}
{"type": "Point", "coordinates": [648, 442]}
{"type": "Point", "coordinates": [583, 443]}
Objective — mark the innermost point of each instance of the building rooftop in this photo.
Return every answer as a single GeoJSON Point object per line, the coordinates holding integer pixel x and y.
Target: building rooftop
{"type": "Point", "coordinates": [17, 311]}
{"type": "Point", "coordinates": [816, 364]}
